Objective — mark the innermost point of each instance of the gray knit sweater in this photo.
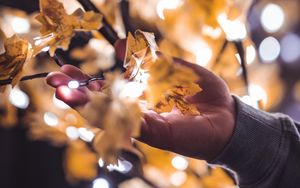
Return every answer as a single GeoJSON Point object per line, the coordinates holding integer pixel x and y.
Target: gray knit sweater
{"type": "Point", "coordinates": [264, 150]}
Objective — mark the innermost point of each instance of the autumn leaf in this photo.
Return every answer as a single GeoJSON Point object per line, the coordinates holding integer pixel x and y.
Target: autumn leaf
{"type": "Point", "coordinates": [12, 61]}
{"type": "Point", "coordinates": [140, 52]}
{"type": "Point", "coordinates": [58, 27]}
{"type": "Point", "coordinates": [168, 84]}
{"type": "Point", "coordinates": [119, 117]}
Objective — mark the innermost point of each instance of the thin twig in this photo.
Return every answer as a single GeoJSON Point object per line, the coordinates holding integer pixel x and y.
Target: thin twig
{"type": "Point", "coordinates": [240, 49]}
{"type": "Point", "coordinates": [124, 7]}
{"type": "Point", "coordinates": [25, 78]}
{"type": "Point", "coordinates": [222, 50]}
{"type": "Point", "coordinates": [107, 30]}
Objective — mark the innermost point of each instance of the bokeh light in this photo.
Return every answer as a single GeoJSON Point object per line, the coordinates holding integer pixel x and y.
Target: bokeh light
{"type": "Point", "coordinates": [166, 4]}
{"type": "Point", "coordinates": [290, 48]}
{"type": "Point", "coordinates": [72, 132]}
{"type": "Point", "coordinates": [18, 98]}
{"type": "Point", "coordinates": [180, 163]}
{"type": "Point", "coordinates": [85, 134]}
{"type": "Point", "coordinates": [20, 25]}
{"type": "Point", "coordinates": [100, 183]}
{"type": "Point", "coordinates": [178, 178]}
{"type": "Point", "coordinates": [272, 18]}
{"type": "Point", "coordinates": [269, 49]}
{"type": "Point", "coordinates": [50, 119]}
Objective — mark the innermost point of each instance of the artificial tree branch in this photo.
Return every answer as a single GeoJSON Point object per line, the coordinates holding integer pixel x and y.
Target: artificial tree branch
{"type": "Point", "coordinates": [107, 30]}
{"type": "Point", "coordinates": [25, 78]}
{"type": "Point", "coordinates": [124, 8]}
{"type": "Point", "coordinates": [240, 49]}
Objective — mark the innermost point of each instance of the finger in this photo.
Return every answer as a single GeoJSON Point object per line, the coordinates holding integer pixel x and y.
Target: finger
{"type": "Point", "coordinates": [72, 97]}
{"type": "Point", "coordinates": [155, 131]}
{"type": "Point", "coordinates": [74, 72]}
{"type": "Point", "coordinates": [56, 79]}
{"type": "Point", "coordinates": [120, 47]}
{"type": "Point", "coordinates": [78, 75]}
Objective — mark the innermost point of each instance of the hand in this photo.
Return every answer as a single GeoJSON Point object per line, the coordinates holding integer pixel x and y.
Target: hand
{"type": "Point", "coordinates": [201, 137]}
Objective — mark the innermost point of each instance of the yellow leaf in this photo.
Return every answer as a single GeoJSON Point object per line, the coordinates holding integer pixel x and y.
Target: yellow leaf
{"type": "Point", "coordinates": [119, 117]}
{"type": "Point", "coordinates": [140, 52]}
{"type": "Point", "coordinates": [168, 84]}
{"type": "Point", "coordinates": [13, 59]}
{"type": "Point", "coordinates": [58, 27]}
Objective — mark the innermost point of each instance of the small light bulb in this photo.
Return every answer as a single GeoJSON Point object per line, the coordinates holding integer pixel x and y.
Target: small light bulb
{"type": "Point", "coordinates": [73, 84]}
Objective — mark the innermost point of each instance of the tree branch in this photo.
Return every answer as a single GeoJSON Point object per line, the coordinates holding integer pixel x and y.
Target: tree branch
{"type": "Point", "coordinates": [240, 49]}
{"type": "Point", "coordinates": [107, 30]}
{"type": "Point", "coordinates": [25, 78]}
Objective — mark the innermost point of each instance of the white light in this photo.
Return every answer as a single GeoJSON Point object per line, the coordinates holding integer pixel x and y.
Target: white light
{"type": "Point", "coordinates": [269, 49]}
{"type": "Point", "coordinates": [100, 183]}
{"type": "Point", "coordinates": [20, 25]}
{"type": "Point", "coordinates": [167, 4]}
{"type": "Point", "coordinates": [250, 101]}
{"type": "Point", "coordinates": [72, 132]}
{"type": "Point", "coordinates": [50, 119]}
{"type": "Point", "coordinates": [85, 134]}
{"type": "Point", "coordinates": [250, 54]}
{"type": "Point", "coordinates": [180, 163]}
{"type": "Point", "coordinates": [123, 166]}
{"type": "Point", "coordinates": [101, 162]}
{"type": "Point", "coordinates": [272, 18]}
{"type": "Point", "coordinates": [178, 178]}
{"type": "Point", "coordinates": [290, 48]}
{"type": "Point", "coordinates": [60, 104]}
{"type": "Point", "coordinates": [234, 29]}
{"type": "Point", "coordinates": [73, 84]}
{"type": "Point", "coordinates": [257, 93]}
{"type": "Point", "coordinates": [203, 56]}
{"type": "Point", "coordinates": [18, 98]}
{"type": "Point", "coordinates": [214, 33]}
{"type": "Point", "coordinates": [132, 90]}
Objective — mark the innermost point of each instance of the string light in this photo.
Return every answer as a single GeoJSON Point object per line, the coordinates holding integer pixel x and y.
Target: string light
{"type": "Point", "coordinates": [18, 98]}
{"type": "Point", "coordinates": [73, 84]}
{"type": "Point", "coordinates": [180, 163]}
{"type": "Point", "coordinates": [72, 132]}
{"type": "Point", "coordinates": [85, 134]}
{"type": "Point", "coordinates": [20, 25]}
{"type": "Point", "coordinates": [100, 183]}
{"type": "Point", "coordinates": [50, 119]}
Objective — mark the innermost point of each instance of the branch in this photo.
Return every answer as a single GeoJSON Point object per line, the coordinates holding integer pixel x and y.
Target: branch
{"type": "Point", "coordinates": [25, 78]}
{"type": "Point", "coordinates": [222, 50]}
{"type": "Point", "coordinates": [240, 49]}
{"type": "Point", "coordinates": [107, 30]}
{"type": "Point", "coordinates": [124, 7]}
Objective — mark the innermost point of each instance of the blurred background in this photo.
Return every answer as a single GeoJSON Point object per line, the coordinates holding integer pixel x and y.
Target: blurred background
{"type": "Point", "coordinates": [253, 45]}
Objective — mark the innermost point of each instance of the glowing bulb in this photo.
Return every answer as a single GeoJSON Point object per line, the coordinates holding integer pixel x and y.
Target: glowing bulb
{"type": "Point", "coordinates": [269, 49]}
{"type": "Point", "coordinates": [72, 132]}
{"type": "Point", "coordinates": [60, 104]}
{"type": "Point", "coordinates": [85, 134]}
{"type": "Point", "coordinates": [272, 18]}
{"type": "Point", "coordinates": [100, 183]}
{"type": "Point", "coordinates": [50, 119]}
{"type": "Point", "coordinates": [167, 4]}
{"type": "Point", "coordinates": [18, 98]}
{"type": "Point", "coordinates": [178, 178]}
{"type": "Point", "coordinates": [180, 163]}
{"type": "Point", "coordinates": [20, 25]}
{"type": "Point", "coordinates": [234, 29]}
{"type": "Point", "coordinates": [73, 84]}
{"type": "Point", "coordinates": [101, 162]}
{"type": "Point", "coordinates": [290, 48]}
{"type": "Point", "coordinates": [123, 166]}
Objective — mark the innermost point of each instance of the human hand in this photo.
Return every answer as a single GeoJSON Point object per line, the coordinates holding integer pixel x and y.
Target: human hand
{"type": "Point", "coordinates": [201, 137]}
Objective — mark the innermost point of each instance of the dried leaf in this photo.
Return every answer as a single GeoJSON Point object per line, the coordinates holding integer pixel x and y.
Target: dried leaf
{"type": "Point", "coordinates": [58, 27]}
{"type": "Point", "coordinates": [168, 85]}
{"type": "Point", "coordinates": [119, 117]}
{"type": "Point", "coordinates": [140, 52]}
{"type": "Point", "coordinates": [12, 61]}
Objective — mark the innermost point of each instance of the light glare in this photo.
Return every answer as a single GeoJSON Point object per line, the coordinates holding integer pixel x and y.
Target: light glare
{"type": "Point", "coordinates": [73, 84]}
{"type": "Point", "coordinates": [18, 98]}
{"type": "Point", "coordinates": [72, 132]}
{"type": "Point", "coordinates": [269, 49]}
{"type": "Point", "coordinates": [272, 18]}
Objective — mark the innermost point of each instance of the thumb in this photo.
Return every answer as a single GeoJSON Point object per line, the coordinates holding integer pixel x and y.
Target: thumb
{"type": "Point", "coordinates": [120, 47]}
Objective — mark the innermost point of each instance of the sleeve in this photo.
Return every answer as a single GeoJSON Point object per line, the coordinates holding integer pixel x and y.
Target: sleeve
{"type": "Point", "coordinates": [264, 150]}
